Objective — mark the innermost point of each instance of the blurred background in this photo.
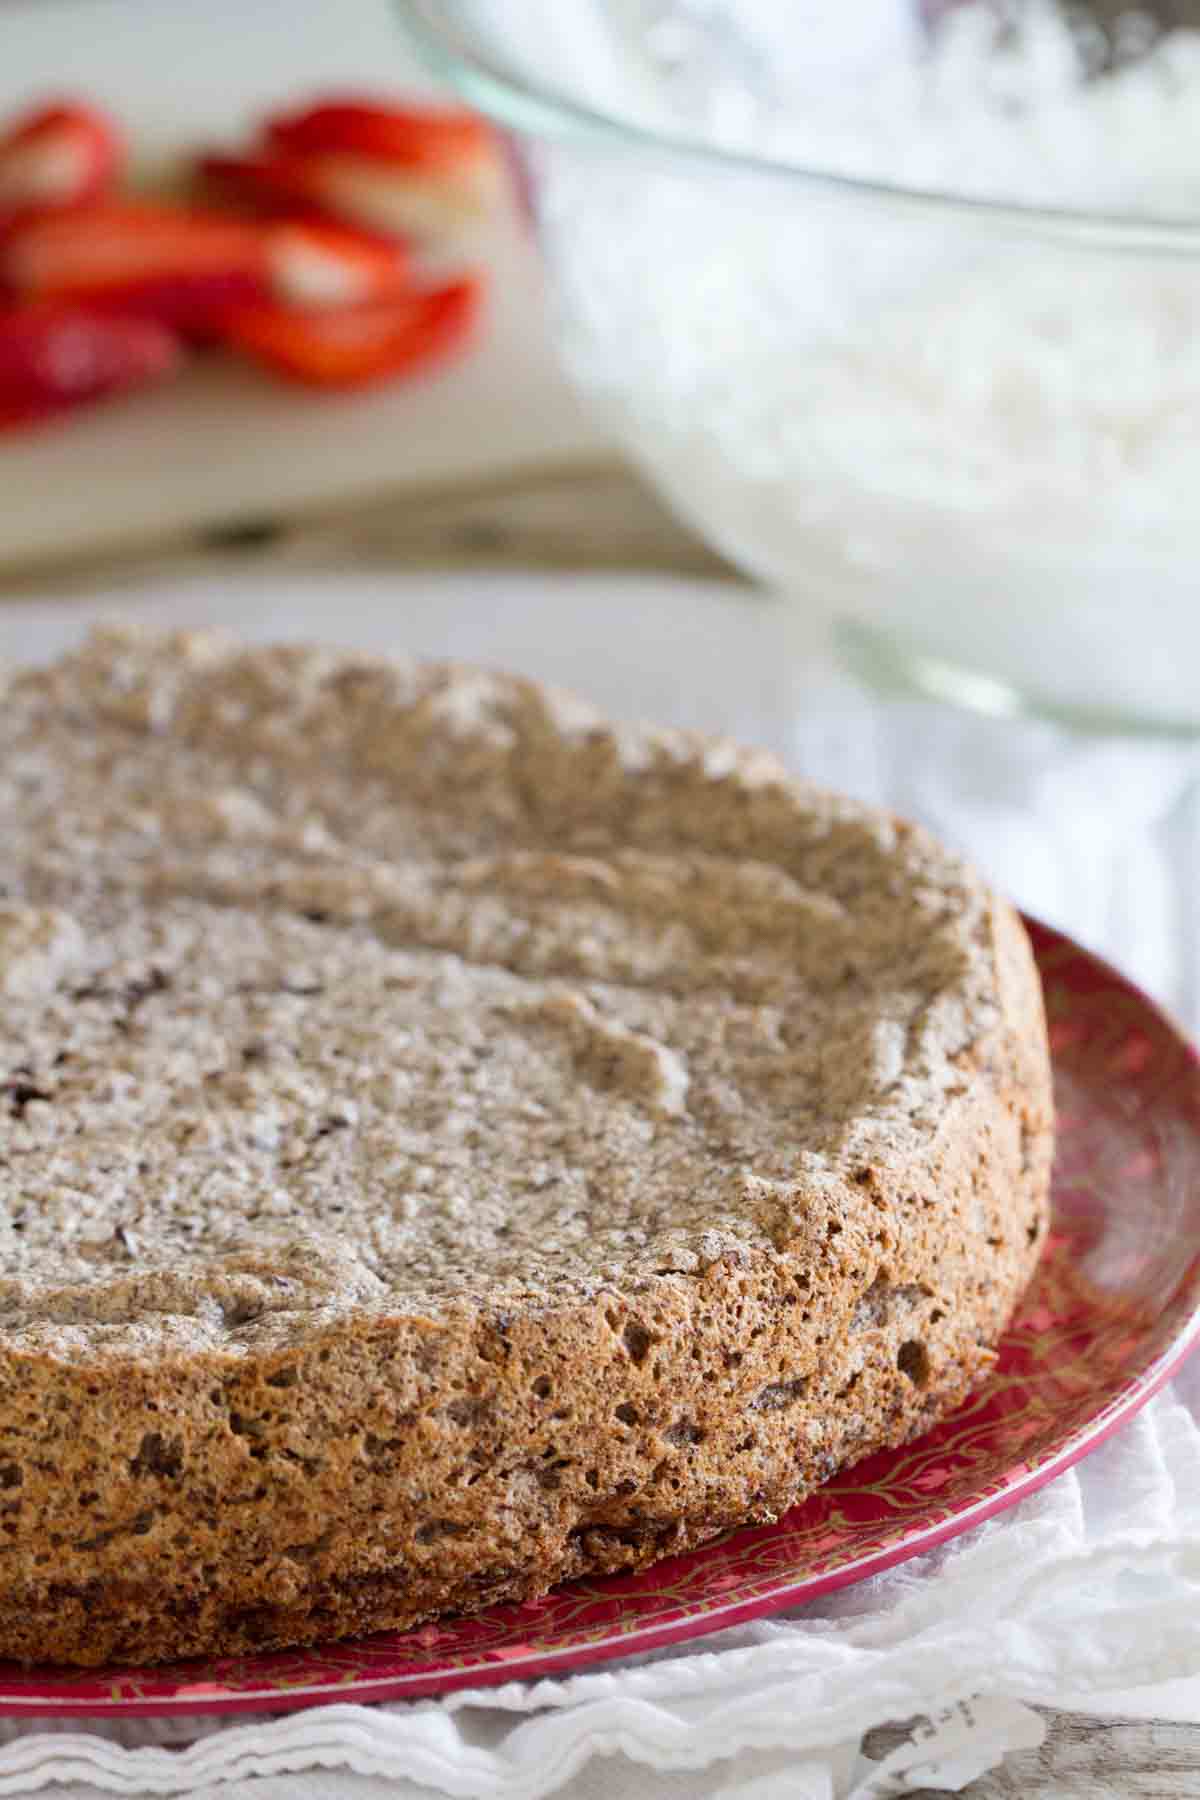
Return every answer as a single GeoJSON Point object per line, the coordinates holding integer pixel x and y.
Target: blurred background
{"type": "Point", "coordinates": [219, 446]}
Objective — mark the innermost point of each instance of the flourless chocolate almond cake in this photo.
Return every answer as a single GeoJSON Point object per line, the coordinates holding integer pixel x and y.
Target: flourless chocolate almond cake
{"type": "Point", "coordinates": [450, 1143]}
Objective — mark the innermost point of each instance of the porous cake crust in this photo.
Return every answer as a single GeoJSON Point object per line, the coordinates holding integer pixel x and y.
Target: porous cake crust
{"type": "Point", "coordinates": [449, 1143]}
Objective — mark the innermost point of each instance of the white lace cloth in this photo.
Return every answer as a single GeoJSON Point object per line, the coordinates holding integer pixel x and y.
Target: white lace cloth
{"type": "Point", "coordinates": [1090, 1587]}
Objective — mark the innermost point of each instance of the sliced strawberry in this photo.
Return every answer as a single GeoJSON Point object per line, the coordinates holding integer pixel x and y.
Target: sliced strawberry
{"type": "Point", "coordinates": [265, 182]}
{"type": "Point", "coordinates": [400, 170]}
{"type": "Point", "coordinates": [401, 202]}
{"type": "Point", "coordinates": [182, 267]}
{"type": "Point", "coordinates": [311, 263]}
{"type": "Point", "coordinates": [358, 346]}
{"type": "Point", "coordinates": [56, 357]}
{"type": "Point", "coordinates": [393, 201]}
{"type": "Point", "coordinates": [412, 136]}
{"type": "Point", "coordinates": [195, 305]}
{"type": "Point", "coordinates": [61, 155]}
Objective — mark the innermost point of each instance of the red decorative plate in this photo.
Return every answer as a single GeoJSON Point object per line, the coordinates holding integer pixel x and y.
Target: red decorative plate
{"type": "Point", "coordinates": [1113, 1311]}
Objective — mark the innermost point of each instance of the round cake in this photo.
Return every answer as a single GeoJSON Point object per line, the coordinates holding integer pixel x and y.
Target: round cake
{"type": "Point", "coordinates": [450, 1143]}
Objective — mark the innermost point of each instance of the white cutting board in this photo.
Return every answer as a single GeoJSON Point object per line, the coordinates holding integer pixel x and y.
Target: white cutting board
{"type": "Point", "coordinates": [224, 444]}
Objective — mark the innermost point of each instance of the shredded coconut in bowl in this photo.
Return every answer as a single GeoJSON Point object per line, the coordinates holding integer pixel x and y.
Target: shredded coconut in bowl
{"type": "Point", "coordinates": [976, 430]}
{"type": "Point", "coordinates": [1023, 101]}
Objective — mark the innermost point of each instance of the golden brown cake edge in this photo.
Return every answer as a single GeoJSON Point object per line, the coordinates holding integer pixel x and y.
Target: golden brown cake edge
{"type": "Point", "coordinates": [674, 1434]}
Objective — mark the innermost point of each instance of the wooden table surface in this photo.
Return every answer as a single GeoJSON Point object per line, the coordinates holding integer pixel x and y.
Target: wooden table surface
{"type": "Point", "coordinates": [600, 516]}
{"type": "Point", "coordinates": [594, 515]}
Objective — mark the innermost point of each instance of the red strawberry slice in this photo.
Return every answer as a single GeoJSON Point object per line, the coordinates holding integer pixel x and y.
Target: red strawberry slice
{"type": "Point", "coordinates": [409, 170]}
{"type": "Point", "coordinates": [359, 346]}
{"type": "Point", "coordinates": [58, 156]}
{"type": "Point", "coordinates": [391, 201]}
{"type": "Point", "coordinates": [56, 357]}
{"type": "Point", "coordinates": [260, 182]}
{"type": "Point", "coordinates": [396, 171]}
{"type": "Point", "coordinates": [411, 136]}
{"type": "Point", "coordinates": [311, 263]}
{"type": "Point", "coordinates": [183, 267]}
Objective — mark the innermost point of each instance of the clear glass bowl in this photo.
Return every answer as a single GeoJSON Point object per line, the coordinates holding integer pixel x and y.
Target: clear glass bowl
{"type": "Point", "coordinates": [966, 429]}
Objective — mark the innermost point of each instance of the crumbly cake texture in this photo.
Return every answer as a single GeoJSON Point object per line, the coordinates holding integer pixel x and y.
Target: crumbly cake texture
{"type": "Point", "coordinates": [450, 1144]}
